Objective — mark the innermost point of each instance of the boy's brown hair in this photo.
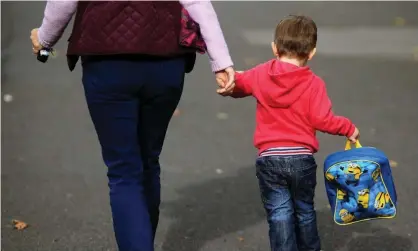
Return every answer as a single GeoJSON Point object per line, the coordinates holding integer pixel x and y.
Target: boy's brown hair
{"type": "Point", "coordinates": [295, 37]}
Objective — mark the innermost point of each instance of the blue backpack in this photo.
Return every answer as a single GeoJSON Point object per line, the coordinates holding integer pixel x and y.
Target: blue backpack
{"type": "Point", "coordinates": [359, 185]}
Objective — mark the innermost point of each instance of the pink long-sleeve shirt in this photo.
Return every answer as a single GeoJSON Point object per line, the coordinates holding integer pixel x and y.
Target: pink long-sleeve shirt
{"type": "Point", "coordinates": [59, 13]}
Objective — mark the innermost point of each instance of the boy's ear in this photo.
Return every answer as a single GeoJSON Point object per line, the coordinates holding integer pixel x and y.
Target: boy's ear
{"type": "Point", "coordinates": [274, 49]}
{"type": "Point", "coordinates": [312, 54]}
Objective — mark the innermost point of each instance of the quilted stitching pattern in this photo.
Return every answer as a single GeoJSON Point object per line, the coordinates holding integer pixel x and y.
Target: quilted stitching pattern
{"type": "Point", "coordinates": [126, 27]}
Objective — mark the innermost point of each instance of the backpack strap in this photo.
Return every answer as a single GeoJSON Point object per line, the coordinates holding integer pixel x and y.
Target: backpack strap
{"type": "Point", "coordinates": [348, 144]}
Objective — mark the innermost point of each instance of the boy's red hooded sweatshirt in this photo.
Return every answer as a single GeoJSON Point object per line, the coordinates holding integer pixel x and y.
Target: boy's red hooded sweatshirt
{"type": "Point", "coordinates": [292, 104]}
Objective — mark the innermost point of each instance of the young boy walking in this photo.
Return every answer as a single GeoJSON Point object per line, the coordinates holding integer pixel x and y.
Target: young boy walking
{"type": "Point", "coordinates": [292, 104]}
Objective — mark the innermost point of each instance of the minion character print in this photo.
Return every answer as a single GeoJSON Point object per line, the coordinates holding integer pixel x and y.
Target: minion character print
{"type": "Point", "coordinates": [352, 173]}
{"type": "Point", "coordinates": [382, 201]}
{"type": "Point", "coordinates": [363, 198]}
{"type": "Point", "coordinates": [346, 216]}
{"type": "Point", "coordinates": [360, 192]}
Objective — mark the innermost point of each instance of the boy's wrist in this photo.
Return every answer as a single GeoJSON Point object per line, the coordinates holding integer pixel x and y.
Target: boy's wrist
{"type": "Point", "coordinates": [351, 130]}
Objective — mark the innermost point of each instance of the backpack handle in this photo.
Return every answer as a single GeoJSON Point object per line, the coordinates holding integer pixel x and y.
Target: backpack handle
{"type": "Point", "coordinates": [348, 144]}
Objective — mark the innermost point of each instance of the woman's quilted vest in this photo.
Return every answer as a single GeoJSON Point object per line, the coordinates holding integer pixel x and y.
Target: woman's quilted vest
{"type": "Point", "coordinates": [126, 27]}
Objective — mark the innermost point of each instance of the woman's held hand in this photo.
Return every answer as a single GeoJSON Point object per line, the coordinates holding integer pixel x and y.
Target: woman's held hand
{"type": "Point", "coordinates": [225, 80]}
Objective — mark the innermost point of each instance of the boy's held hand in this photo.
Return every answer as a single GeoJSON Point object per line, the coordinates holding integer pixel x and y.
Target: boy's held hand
{"type": "Point", "coordinates": [223, 92]}
{"type": "Point", "coordinates": [354, 137]}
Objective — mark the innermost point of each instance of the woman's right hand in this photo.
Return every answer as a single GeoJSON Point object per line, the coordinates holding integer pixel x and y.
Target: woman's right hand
{"type": "Point", "coordinates": [36, 46]}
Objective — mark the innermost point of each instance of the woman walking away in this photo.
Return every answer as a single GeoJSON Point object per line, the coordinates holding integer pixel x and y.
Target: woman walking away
{"type": "Point", "coordinates": [133, 74]}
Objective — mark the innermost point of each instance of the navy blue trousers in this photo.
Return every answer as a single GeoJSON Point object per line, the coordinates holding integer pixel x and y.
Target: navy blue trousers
{"type": "Point", "coordinates": [131, 102]}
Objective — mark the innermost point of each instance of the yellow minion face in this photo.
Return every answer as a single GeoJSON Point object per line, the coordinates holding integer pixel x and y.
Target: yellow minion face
{"type": "Point", "coordinates": [341, 194]}
{"type": "Point", "coordinates": [376, 174]}
{"type": "Point", "coordinates": [355, 170]}
{"type": "Point", "coordinates": [329, 177]}
{"type": "Point", "coordinates": [363, 198]}
{"type": "Point", "coordinates": [381, 200]}
{"type": "Point", "coordinates": [346, 217]}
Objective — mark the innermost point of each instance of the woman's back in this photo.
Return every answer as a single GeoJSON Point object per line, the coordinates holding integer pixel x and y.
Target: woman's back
{"type": "Point", "coordinates": [119, 27]}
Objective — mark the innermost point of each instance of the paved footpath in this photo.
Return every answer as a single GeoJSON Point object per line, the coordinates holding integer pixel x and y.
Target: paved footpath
{"type": "Point", "coordinates": [53, 177]}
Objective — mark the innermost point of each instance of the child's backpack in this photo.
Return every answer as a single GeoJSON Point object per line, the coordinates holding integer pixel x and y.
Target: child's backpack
{"type": "Point", "coordinates": [359, 185]}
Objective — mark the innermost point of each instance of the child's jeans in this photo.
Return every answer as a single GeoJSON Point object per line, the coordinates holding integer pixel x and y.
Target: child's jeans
{"type": "Point", "coordinates": [287, 185]}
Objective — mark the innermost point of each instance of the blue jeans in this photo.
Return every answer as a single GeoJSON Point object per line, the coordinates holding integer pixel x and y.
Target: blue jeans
{"type": "Point", "coordinates": [287, 185]}
{"type": "Point", "coordinates": [131, 102]}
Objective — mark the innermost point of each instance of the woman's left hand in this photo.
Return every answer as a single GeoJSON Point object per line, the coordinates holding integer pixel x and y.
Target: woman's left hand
{"type": "Point", "coordinates": [36, 46]}
{"type": "Point", "coordinates": [226, 81]}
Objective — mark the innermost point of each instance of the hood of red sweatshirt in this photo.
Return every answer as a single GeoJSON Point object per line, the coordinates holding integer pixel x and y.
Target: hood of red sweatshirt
{"type": "Point", "coordinates": [288, 83]}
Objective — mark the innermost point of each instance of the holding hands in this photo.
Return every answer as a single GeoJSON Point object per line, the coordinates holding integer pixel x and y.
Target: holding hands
{"type": "Point", "coordinates": [225, 80]}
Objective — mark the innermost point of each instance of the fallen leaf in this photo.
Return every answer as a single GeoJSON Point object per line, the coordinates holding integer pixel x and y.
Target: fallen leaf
{"type": "Point", "coordinates": [240, 239]}
{"type": "Point", "coordinates": [393, 163]}
{"type": "Point", "coordinates": [222, 115]}
{"type": "Point", "coordinates": [7, 98]}
{"type": "Point", "coordinates": [399, 21]}
{"type": "Point", "coordinates": [416, 53]}
{"type": "Point", "coordinates": [176, 113]}
{"type": "Point", "coordinates": [54, 54]}
{"type": "Point", "coordinates": [19, 225]}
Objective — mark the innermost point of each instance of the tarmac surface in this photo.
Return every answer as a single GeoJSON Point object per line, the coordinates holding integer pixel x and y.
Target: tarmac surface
{"type": "Point", "coordinates": [53, 177]}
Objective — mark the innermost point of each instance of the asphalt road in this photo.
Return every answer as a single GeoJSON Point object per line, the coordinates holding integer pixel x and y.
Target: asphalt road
{"type": "Point", "coordinates": [53, 177]}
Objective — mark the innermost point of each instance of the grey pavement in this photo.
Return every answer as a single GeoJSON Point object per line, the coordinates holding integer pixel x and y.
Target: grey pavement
{"type": "Point", "coordinates": [53, 177]}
